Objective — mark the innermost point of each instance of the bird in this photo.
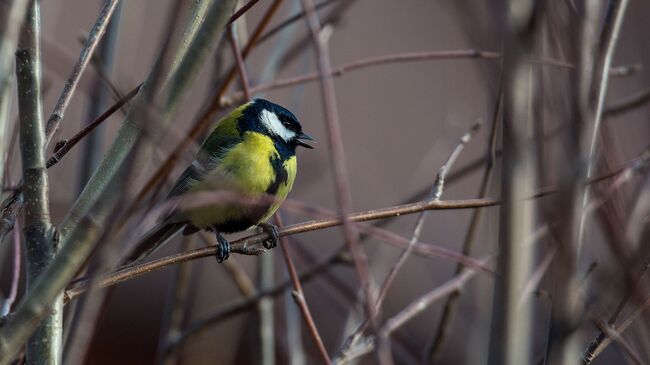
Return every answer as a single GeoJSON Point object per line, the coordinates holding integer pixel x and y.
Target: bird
{"type": "Point", "coordinates": [251, 151]}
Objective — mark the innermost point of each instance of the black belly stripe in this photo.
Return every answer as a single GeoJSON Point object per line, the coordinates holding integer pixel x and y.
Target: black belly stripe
{"type": "Point", "coordinates": [281, 175]}
{"type": "Point", "coordinates": [258, 211]}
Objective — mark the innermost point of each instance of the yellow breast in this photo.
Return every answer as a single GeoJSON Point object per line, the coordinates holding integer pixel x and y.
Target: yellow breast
{"type": "Point", "coordinates": [245, 169]}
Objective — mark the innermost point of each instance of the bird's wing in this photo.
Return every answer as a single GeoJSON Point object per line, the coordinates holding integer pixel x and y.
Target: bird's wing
{"type": "Point", "coordinates": [218, 143]}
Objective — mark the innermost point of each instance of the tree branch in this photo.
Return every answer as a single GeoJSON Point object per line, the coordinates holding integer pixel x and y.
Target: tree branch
{"type": "Point", "coordinates": [44, 346]}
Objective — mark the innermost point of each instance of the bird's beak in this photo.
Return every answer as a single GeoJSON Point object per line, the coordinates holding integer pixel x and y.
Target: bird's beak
{"type": "Point", "coordinates": [301, 143]}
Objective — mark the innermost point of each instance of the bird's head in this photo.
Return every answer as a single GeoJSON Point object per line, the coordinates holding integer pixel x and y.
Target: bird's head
{"type": "Point", "coordinates": [278, 123]}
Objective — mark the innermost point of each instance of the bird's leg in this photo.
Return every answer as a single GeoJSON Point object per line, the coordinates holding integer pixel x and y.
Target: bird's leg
{"type": "Point", "coordinates": [272, 231]}
{"type": "Point", "coordinates": [223, 249]}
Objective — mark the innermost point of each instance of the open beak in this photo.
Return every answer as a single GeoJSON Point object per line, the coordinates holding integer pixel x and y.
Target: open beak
{"type": "Point", "coordinates": [302, 136]}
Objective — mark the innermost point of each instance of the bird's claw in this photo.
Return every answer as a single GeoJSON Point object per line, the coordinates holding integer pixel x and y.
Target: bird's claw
{"type": "Point", "coordinates": [223, 248]}
{"type": "Point", "coordinates": [273, 238]}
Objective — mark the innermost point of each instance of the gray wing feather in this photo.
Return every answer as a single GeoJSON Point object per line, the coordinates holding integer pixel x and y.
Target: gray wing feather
{"type": "Point", "coordinates": [205, 161]}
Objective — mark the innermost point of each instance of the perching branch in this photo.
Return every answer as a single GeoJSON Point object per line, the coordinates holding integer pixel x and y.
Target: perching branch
{"type": "Point", "coordinates": [251, 245]}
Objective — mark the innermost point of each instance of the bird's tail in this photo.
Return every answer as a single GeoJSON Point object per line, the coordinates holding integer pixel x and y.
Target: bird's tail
{"type": "Point", "coordinates": [153, 240]}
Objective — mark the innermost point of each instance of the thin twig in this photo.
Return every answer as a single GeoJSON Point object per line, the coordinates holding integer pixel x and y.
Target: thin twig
{"type": "Point", "coordinates": [94, 36]}
{"type": "Point", "coordinates": [435, 195]}
{"type": "Point", "coordinates": [451, 304]}
{"type": "Point", "coordinates": [363, 63]}
{"type": "Point", "coordinates": [299, 297]}
{"type": "Point", "coordinates": [241, 11]}
{"type": "Point", "coordinates": [239, 61]}
{"type": "Point", "coordinates": [292, 19]}
{"type": "Point", "coordinates": [414, 308]}
{"type": "Point", "coordinates": [603, 54]}
{"type": "Point", "coordinates": [419, 305]}
{"type": "Point", "coordinates": [64, 147]}
{"type": "Point", "coordinates": [595, 345]}
{"type": "Point", "coordinates": [619, 329]}
{"type": "Point", "coordinates": [625, 323]}
{"type": "Point", "coordinates": [175, 312]}
{"type": "Point", "coordinates": [405, 57]}
{"type": "Point", "coordinates": [103, 63]}
{"type": "Point", "coordinates": [614, 335]}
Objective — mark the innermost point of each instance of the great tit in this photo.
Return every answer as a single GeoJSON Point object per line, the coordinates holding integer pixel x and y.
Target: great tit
{"type": "Point", "coordinates": [252, 152]}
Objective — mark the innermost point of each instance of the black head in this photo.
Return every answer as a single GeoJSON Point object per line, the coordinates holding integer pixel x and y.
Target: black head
{"type": "Point", "coordinates": [276, 122]}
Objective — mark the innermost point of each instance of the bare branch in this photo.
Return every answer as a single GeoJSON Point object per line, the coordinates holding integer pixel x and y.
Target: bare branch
{"type": "Point", "coordinates": [44, 346]}
{"type": "Point", "coordinates": [510, 337]}
{"type": "Point", "coordinates": [435, 195]}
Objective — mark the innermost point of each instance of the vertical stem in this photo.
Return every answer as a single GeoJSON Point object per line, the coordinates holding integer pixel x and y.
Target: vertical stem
{"type": "Point", "coordinates": [510, 340]}
{"type": "Point", "coordinates": [12, 15]}
{"type": "Point", "coordinates": [11, 20]}
{"type": "Point", "coordinates": [44, 346]}
{"type": "Point", "coordinates": [176, 308]}
{"type": "Point", "coordinates": [299, 297]}
{"type": "Point", "coordinates": [5, 101]}
{"type": "Point", "coordinates": [334, 134]}
{"type": "Point", "coordinates": [92, 149]}
{"type": "Point", "coordinates": [265, 308]}
{"type": "Point", "coordinates": [603, 55]}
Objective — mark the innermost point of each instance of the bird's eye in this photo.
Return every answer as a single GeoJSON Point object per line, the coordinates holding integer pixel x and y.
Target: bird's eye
{"type": "Point", "coordinates": [286, 124]}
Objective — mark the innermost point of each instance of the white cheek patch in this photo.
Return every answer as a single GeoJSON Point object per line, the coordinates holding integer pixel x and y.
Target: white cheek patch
{"type": "Point", "coordinates": [273, 124]}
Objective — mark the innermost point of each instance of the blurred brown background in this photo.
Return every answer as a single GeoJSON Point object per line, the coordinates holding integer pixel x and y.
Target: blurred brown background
{"type": "Point", "coordinates": [400, 122]}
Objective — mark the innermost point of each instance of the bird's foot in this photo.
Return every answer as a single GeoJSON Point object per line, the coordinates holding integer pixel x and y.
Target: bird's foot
{"type": "Point", "coordinates": [272, 231]}
{"type": "Point", "coordinates": [223, 248]}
